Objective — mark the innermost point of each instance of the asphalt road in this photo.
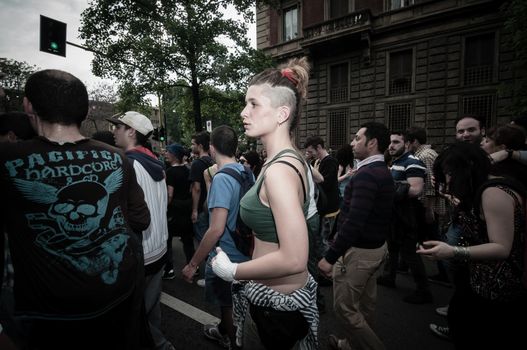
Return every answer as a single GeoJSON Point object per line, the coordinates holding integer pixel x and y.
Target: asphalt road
{"type": "Point", "coordinates": [399, 325]}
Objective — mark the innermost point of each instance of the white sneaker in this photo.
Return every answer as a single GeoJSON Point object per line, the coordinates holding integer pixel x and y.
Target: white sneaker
{"type": "Point", "coordinates": [201, 282]}
{"type": "Point", "coordinates": [442, 332]}
{"type": "Point", "coordinates": [442, 311]}
{"type": "Point", "coordinates": [212, 332]}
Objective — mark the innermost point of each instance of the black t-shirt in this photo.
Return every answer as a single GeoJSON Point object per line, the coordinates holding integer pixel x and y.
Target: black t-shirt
{"type": "Point", "coordinates": [329, 168]}
{"type": "Point", "coordinates": [70, 211]}
{"type": "Point", "coordinates": [197, 168]}
{"type": "Point", "coordinates": [178, 178]}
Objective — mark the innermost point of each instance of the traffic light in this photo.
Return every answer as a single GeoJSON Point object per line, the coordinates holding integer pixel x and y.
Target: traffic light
{"type": "Point", "coordinates": [52, 36]}
{"type": "Point", "coordinates": [155, 134]}
{"type": "Point", "coordinates": [162, 137]}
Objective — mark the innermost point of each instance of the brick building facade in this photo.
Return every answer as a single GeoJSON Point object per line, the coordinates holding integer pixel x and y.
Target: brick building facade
{"type": "Point", "coordinates": [400, 62]}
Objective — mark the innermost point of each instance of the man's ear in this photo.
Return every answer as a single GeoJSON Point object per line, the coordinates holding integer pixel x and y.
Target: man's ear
{"type": "Point", "coordinates": [28, 107]}
{"type": "Point", "coordinates": [372, 143]}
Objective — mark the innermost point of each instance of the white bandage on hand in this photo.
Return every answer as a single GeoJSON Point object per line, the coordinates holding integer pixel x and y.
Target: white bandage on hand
{"type": "Point", "coordinates": [223, 267]}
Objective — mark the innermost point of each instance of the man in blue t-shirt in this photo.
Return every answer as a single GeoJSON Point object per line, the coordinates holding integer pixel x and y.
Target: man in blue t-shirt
{"type": "Point", "coordinates": [223, 206]}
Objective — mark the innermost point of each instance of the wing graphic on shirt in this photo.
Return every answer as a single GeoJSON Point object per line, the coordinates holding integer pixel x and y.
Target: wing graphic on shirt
{"type": "Point", "coordinates": [37, 191]}
{"type": "Point", "coordinates": [114, 181]}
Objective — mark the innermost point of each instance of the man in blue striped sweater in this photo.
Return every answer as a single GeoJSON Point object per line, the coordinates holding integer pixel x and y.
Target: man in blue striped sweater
{"type": "Point", "coordinates": [359, 249]}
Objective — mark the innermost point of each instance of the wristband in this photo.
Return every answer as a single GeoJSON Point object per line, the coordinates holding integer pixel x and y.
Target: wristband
{"type": "Point", "coordinates": [461, 254]}
{"type": "Point", "coordinates": [509, 153]}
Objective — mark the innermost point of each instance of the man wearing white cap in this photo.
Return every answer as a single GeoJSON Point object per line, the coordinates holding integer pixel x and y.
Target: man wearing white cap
{"type": "Point", "coordinates": [131, 133]}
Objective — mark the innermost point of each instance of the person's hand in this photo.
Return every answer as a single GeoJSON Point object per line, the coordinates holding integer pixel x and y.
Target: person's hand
{"type": "Point", "coordinates": [454, 201]}
{"type": "Point", "coordinates": [435, 250]}
{"type": "Point", "coordinates": [194, 216]}
{"type": "Point", "coordinates": [223, 267]}
{"type": "Point", "coordinates": [188, 272]}
{"type": "Point", "coordinates": [499, 156]}
{"type": "Point", "coordinates": [326, 268]}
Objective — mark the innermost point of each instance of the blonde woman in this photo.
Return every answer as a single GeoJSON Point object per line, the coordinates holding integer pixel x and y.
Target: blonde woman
{"type": "Point", "coordinates": [277, 300]}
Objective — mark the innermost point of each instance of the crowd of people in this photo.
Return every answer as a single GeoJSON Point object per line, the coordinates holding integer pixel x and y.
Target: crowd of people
{"type": "Point", "coordinates": [89, 224]}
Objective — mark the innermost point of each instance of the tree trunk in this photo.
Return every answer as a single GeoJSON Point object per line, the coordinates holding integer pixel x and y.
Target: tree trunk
{"type": "Point", "coordinates": [196, 104]}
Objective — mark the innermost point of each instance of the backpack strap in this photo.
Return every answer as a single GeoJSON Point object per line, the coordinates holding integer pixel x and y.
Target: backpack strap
{"type": "Point", "coordinates": [231, 172]}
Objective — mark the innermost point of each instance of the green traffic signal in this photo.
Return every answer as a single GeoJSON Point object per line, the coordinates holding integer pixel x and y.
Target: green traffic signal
{"type": "Point", "coordinates": [52, 36]}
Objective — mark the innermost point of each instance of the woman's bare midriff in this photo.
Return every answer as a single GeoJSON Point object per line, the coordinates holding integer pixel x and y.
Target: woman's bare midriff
{"type": "Point", "coordinates": [285, 285]}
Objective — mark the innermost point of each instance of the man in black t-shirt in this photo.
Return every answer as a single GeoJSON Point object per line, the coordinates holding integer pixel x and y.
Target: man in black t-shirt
{"type": "Point", "coordinates": [179, 206]}
{"type": "Point", "coordinates": [200, 148]}
{"type": "Point", "coordinates": [71, 207]}
{"type": "Point", "coordinates": [328, 167]}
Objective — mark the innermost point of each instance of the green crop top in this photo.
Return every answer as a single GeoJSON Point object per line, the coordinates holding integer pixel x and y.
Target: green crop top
{"type": "Point", "coordinates": [260, 217]}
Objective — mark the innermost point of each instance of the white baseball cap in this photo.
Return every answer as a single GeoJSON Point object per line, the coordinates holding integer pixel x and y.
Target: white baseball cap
{"type": "Point", "coordinates": [135, 120]}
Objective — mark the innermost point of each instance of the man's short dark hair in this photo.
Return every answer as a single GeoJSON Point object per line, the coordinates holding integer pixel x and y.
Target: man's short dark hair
{"type": "Point", "coordinates": [57, 97]}
{"type": "Point", "coordinates": [415, 133]}
{"type": "Point", "coordinates": [203, 139]}
{"type": "Point", "coordinates": [377, 131]}
{"type": "Point", "coordinates": [224, 140]}
{"type": "Point", "coordinates": [480, 120]}
{"type": "Point", "coordinates": [314, 141]}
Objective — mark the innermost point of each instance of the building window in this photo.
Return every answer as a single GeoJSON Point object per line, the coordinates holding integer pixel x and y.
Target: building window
{"type": "Point", "coordinates": [401, 72]}
{"type": "Point", "coordinates": [481, 106]}
{"type": "Point", "coordinates": [338, 83]}
{"type": "Point", "coordinates": [338, 127]}
{"type": "Point", "coordinates": [479, 59]}
{"type": "Point", "coordinates": [400, 116]}
{"type": "Point", "coordinates": [397, 4]}
{"type": "Point", "coordinates": [338, 8]}
{"type": "Point", "coordinates": [290, 23]}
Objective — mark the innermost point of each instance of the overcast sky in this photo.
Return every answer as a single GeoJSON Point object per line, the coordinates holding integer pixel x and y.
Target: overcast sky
{"type": "Point", "coordinates": [19, 39]}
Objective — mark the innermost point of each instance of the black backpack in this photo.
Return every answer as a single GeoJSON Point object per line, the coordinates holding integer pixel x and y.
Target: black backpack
{"type": "Point", "coordinates": [242, 235]}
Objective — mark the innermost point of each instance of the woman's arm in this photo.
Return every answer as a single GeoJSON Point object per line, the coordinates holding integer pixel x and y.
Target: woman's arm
{"type": "Point", "coordinates": [283, 190]}
{"type": "Point", "coordinates": [498, 210]}
{"type": "Point", "coordinates": [343, 176]}
{"type": "Point", "coordinates": [170, 193]}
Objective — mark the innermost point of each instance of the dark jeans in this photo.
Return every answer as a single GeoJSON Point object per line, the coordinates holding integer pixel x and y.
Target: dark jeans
{"type": "Point", "coordinates": [406, 246]}
{"type": "Point", "coordinates": [279, 330]}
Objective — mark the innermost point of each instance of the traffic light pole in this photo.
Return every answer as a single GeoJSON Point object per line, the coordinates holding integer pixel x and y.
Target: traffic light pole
{"type": "Point", "coordinates": [101, 53]}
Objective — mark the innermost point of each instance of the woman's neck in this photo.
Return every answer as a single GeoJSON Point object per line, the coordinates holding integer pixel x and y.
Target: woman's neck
{"type": "Point", "coordinates": [274, 144]}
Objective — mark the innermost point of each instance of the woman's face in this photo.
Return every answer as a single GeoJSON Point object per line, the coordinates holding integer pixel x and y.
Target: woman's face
{"type": "Point", "coordinates": [259, 116]}
{"type": "Point", "coordinates": [489, 145]}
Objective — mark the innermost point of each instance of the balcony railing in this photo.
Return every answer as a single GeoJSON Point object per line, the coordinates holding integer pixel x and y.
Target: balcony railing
{"type": "Point", "coordinates": [337, 25]}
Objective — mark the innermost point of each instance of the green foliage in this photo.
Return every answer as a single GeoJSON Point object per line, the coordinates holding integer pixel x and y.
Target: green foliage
{"type": "Point", "coordinates": [516, 26]}
{"type": "Point", "coordinates": [102, 92]}
{"type": "Point", "coordinates": [12, 80]}
{"type": "Point", "coordinates": [15, 73]}
{"type": "Point", "coordinates": [132, 98]}
{"type": "Point", "coordinates": [156, 45]}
